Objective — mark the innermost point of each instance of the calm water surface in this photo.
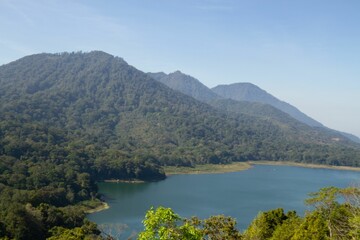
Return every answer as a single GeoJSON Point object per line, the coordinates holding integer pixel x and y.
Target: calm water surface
{"type": "Point", "coordinates": [241, 194]}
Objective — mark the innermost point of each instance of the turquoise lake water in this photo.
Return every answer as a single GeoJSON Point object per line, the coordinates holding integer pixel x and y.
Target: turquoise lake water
{"type": "Point", "coordinates": [240, 195]}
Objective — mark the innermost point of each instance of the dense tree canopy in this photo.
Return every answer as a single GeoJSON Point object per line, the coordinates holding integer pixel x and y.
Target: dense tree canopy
{"type": "Point", "coordinates": [69, 120]}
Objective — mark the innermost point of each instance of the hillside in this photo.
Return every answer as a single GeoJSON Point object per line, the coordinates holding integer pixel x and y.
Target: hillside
{"type": "Point", "coordinates": [194, 88]}
{"type": "Point", "coordinates": [100, 102]}
{"type": "Point", "coordinates": [69, 120]}
{"type": "Point", "coordinates": [186, 84]}
{"type": "Point", "coordinates": [252, 93]}
{"type": "Point", "coordinates": [257, 103]}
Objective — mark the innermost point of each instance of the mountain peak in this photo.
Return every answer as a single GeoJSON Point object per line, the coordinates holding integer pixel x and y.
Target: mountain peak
{"type": "Point", "coordinates": [186, 84]}
{"type": "Point", "coordinates": [252, 93]}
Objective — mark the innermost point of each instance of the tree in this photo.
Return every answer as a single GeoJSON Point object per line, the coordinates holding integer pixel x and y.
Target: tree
{"type": "Point", "coordinates": [341, 219]}
{"type": "Point", "coordinates": [314, 227]}
{"type": "Point", "coordinates": [163, 223]}
{"type": "Point", "coordinates": [265, 224]}
{"type": "Point", "coordinates": [220, 227]}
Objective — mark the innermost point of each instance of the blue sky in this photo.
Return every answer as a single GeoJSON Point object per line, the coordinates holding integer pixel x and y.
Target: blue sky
{"type": "Point", "coordinates": [305, 52]}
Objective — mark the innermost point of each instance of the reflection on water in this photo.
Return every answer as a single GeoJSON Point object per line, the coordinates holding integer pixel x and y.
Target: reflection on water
{"type": "Point", "coordinates": [241, 194]}
{"type": "Point", "coordinates": [121, 189]}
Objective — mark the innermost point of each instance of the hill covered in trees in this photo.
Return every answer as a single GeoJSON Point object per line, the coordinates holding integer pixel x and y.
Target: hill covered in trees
{"type": "Point", "coordinates": [69, 120]}
{"type": "Point", "coordinates": [248, 98]}
{"type": "Point", "coordinates": [100, 104]}
{"type": "Point", "coordinates": [252, 93]}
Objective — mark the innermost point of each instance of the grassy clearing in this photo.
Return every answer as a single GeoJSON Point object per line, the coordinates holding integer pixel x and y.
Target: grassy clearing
{"type": "Point", "coordinates": [208, 168]}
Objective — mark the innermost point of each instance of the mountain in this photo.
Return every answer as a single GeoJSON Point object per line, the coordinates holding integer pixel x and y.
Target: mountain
{"type": "Point", "coordinates": [252, 93]}
{"type": "Point", "coordinates": [186, 84]}
{"type": "Point", "coordinates": [194, 88]}
{"type": "Point", "coordinates": [69, 120]}
{"type": "Point", "coordinates": [98, 100]}
{"type": "Point", "coordinates": [349, 136]}
{"type": "Point", "coordinates": [256, 103]}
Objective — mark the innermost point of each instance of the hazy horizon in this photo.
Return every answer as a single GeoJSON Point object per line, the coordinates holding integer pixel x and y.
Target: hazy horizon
{"type": "Point", "coordinates": [305, 53]}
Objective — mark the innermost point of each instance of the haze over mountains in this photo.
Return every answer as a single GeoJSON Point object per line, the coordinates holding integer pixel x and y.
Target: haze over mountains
{"type": "Point", "coordinates": [69, 120]}
{"type": "Point", "coordinates": [99, 100]}
{"type": "Point", "coordinates": [244, 96]}
{"type": "Point", "coordinates": [252, 93]}
{"type": "Point", "coordinates": [187, 85]}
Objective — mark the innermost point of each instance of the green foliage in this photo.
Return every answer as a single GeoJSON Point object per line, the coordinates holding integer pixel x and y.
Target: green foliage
{"type": "Point", "coordinates": [328, 220]}
{"type": "Point", "coordinates": [86, 232]}
{"type": "Point", "coordinates": [314, 227]}
{"type": "Point", "coordinates": [220, 227]}
{"type": "Point", "coordinates": [163, 223]}
{"type": "Point", "coordinates": [264, 225]}
{"type": "Point", "coordinates": [340, 219]}
{"type": "Point", "coordinates": [69, 120]}
{"type": "Point", "coordinates": [286, 230]}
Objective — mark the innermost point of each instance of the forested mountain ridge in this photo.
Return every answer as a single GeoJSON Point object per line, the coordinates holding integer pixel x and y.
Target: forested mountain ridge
{"type": "Point", "coordinates": [194, 88]}
{"type": "Point", "coordinates": [238, 91]}
{"type": "Point", "coordinates": [68, 120]}
{"type": "Point", "coordinates": [244, 98]}
{"type": "Point", "coordinates": [252, 93]}
{"type": "Point", "coordinates": [102, 102]}
{"type": "Point", "coordinates": [186, 84]}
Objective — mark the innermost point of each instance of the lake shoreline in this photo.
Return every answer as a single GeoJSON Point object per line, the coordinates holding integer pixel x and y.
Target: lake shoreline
{"type": "Point", "coordinates": [208, 168]}
{"type": "Point", "coordinates": [240, 195]}
{"type": "Point", "coordinates": [123, 181]}
{"type": "Point", "coordinates": [222, 168]}
{"type": "Point", "coordinates": [305, 165]}
{"type": "Point", "coordinates": [99, 208]}
{"type": "Point", "coordinates": [241, 166]}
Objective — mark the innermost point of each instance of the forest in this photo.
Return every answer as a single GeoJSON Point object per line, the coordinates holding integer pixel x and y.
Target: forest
{"type": "Point", "coordinates": [70, 120]}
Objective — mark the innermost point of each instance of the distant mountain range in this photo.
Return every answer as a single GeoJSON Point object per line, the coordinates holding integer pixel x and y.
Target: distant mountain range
{"type": "Point", "coordinates": [252, 93]}
{"type": "Point", "coordinates": [70, 120]}
{"type": "Point", "coordinates": [98, 101]}
{"type": "Point", "coordinates": [186, 84]}
{"type": "Point", "coordinates": [246, 93]}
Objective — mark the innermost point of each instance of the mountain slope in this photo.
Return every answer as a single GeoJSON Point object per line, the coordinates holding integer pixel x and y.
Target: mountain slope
{"type": "Point", "coordinates": [252, 93]}
{"type": "Point", "coordinates": [68, 120]}
{"type": "Point", "coordinates": [186, 84]}
{"type": "Point", "coordinates": [101, 102]}
{"type": "Point", "coordinates": [252, 106]}
{"type": "Point", "coordinates": [194, 88]}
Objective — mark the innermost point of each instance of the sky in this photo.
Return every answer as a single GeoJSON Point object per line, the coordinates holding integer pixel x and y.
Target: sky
{"type": "Point", "coordinates": [304, 52]}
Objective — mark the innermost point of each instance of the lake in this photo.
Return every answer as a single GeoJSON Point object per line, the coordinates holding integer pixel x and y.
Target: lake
{"type": "Point", "coordinates": [240, 194]}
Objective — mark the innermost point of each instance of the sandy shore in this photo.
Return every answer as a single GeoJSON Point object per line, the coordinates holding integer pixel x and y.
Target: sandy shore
{"type": "Point", "coordinates": [241, 166]}
{"type": "Point", "coordinates": [102, 207]}
{"type": "Point", "coordinates": [123, 181]}
{"type": "Point", "coordinates": [208, 168]}
{"type": "Point", "coordinates": [306, 165]}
